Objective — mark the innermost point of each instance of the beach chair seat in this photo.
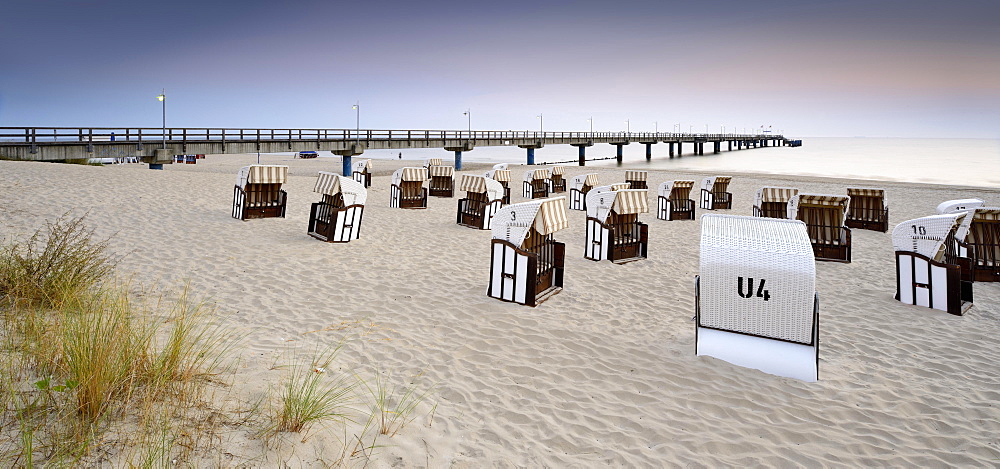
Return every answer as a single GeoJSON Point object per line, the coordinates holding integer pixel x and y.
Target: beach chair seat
{"type": "Point", "coordinates": [979, 240]}
{"type": "Point", "coordinates": [673, 201]}
{"type": "Point", "coordinates": [714, 193]}
{"type": "Point", "coordinates": [526, 263]}
{"type": "Point", "coordinates": [772, 202]}
{"type": "Point", "coordinates": [258, 192]}
{"type": "Point", "coordinates": [557, 182]}
{"type": "Point", "coordinates": [613, 230]}
{"type": "Point", "coordinates": [636, 179]}
{"type": "Point", "coordinates": [442, 181]}
{"type": "Point", "coordinates": [579, 186]}
{"type": "Point", "coordinates": [755, 296]}
{"type": "Point", "coordinates": [536, 184]}
{"type": "Point", "coordinates": [361, 171]}
{"type": "Point", "coordinates": [484, 198]}
{"type": "Point", "coordinates": [337, 218]}
{"type": "Point", "coordinates": [824, 216]}
{"type": "Point", "coordinates": [867, 210]}
{"type": "Point", "coordinates": [407, 190]}
{"type": "Point", "coordinates": [501, 175]}
{"type": "Point", "coordinates": [925, 274]}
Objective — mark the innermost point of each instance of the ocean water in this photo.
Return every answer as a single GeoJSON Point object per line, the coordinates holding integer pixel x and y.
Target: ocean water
{"type": "Point", "coordinates": [971, 162]}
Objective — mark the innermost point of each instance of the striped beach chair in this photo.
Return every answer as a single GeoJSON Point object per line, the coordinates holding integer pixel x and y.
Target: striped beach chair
{"type": "Point", "coordinates": [714, 193]}
{"type": "Point", "coordinates": [258, 192]}
{"type": "Point", "coordinates": [579, 186]}
{"type": "Point", "coordinates": [867, 210]}
{"type": "Point", "coordinates": [483, 199]}
{"type": "Point", "coordinates": [428, 162]}
{"type": "Point", "coordinates": [674, 201]}
{"type": "Point", "coordinates": [979, 241]}
{"type": "Point", "coordinates": [337, 218]}
{"type": "Point", "coordinates": [772, 322]}
{"type": "Point", "coordinates": [557, 183]}
{"type": "Point", "coordinates": [442, 181]}
{"type": "Point", "coordinates": [407, 190]}
{"type": "Point", "coordinates": [772, 202]}
{"type": "Point", "coordinates": [536, 184]}
{"type": "Point", "coordinates": [824, 216]}
{"type": "Point", "coordinates": [614, 231]}
{"type": "Point", "coordinates": [637, 179]}
{"type": "Point", "coordinates": [925, 274]}
{"type": "Point", "coordinates": [501, 175]}
{"type": "Point", "coordinates": [526, 264]}
{"type": "Point", "coordinates": [361, 171]}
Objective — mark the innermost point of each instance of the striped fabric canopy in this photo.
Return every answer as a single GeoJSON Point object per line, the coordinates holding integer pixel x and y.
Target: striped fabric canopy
{"type": "Point", "coordinates": [327, 183]}
{"type": "Point", "coordinates": [558, 170]}
{"type": "Point", "coordinates": [502, 175]}
{"type": "Point", "coordinates": [865, 192]}
{"type": "Point", "coordinates": [472, 183]}
{"type": "Point", "coordinates": [986, 214]}
{"type": "Point", "coordinates": [823, 200]}
{"type": "Point", "coordinates": [776, 194]}
{"type": "Point", "coordinates": [261, 174]}
{"type": "Point", "coordinates": [350, 190]}
{"type": "Point", "coordinates": [630, 201]}
{"type": "Point", "coordinates": [362, 166]}
{"type": "Point", "coordinates": [620, 186]}
{"type": "Point", "coordinates": [409, 174]}
{"type": "Point", "coordinates": [445, 171]}
{"type": "Point", "coordinates": [592, 180]}
{"type": "Point", "coordinates": [805, 201]}
{"type": "Point", "coordinates": [433, 162]}
{"type": "Point", "coordinates": [513, 222]}
{"type": "Point", "coordinates": [551, 216]}
{"type": "Point", "coordinates": [632, 175]}
{"type": "Point", "coordinates": [532, 174]}
{"type": "Point", "coordinates": [683, 188]}
{"type": "Point", "coordinates": [716, 183]}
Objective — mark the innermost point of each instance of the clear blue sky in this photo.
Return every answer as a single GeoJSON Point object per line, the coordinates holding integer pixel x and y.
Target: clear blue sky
{"type": "Point", "coordinates": [834, 68]}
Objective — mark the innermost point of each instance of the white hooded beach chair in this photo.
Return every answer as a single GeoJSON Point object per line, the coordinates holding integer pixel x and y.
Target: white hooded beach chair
{"type": "Point", "coordinates": [674, 201]}
{"type": "Point", "coordinates": [442, 181]}
{"type": "Point", "coordinates": [959, 205]}
{"type": "Point", "coordinates": [714, 193]}
{"type": "Point", "coordinates": [501, 175]}
{"type": "Point", "coordinates": [483, 199]}
{"type": "Point", "coordinates": [536, 184]}
{"type": "Point", "coordinates": [258, 192]}
{"type": "Point", "coordinates": [614, 231]}
{"type": "Point", "coordinates": [824, 216]}
{"type": "Point", "coordinates": [978, 239]}
{"type": "Point", "coordinates": [867, 210]}
{"type": "Point", "coordinates": [526, 264]}
{"type": "Point", "coordinates": [579, 186]}
{"type": "Point", "coordinates": [755, 296]}
{"type": "Point", "coordinates": [772, 202]}
{"type": "Point", "coordinates": [407, 190]}
{"type": "Point", "coordinates": [557, 183]}
{"type": "Point", "coordinates": [636, 179]}
{"type": "Point", "coordinates": [361, 170]}
{"type": "Point", "coordinates": [925, 274]}
{"type": "Point", "coordinates": [337, 218]}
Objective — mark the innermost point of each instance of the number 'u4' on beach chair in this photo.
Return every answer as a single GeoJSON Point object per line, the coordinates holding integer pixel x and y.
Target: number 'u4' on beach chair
{"type": "Point", "coordinates": [501, 175]}
{"type": "Point", "coordinates": [579, 186]}
{"type": "Point", "coordinates": [526, 264]}
{"type": "Point", "coordinates": [614, 231]}
{"type": "Point", "coordinates": [536, 184]}
{"type": "Point", "coordinates": [483, 199]}
{"type": "Point", "coordinates": [674, 201]}
{"type": "Point", "coordinates": [337, 218]}
{"type": "Point", "coordinates": [636, 179]}
{"type": "Point", "coordinates": [714, 193]}
{"type": "Point", "coordinates": [362, 172]}
{"type": "Point", "coordinates": [557, 183]}
{"type": "Point", "coordinates": [258, 192]}
{"type": "Point", "coordinates": [867, 210]}
{"type": "Point", "coordinates": [824, 217]}
{"type": "Point", "coordinates": [407, 190]}
{"type": "Point", "coordinates": [755, 296]}
{"type": "Point", "coordinates": [772, 202]}
{"type": "Point", "coordinates": [925, 274]}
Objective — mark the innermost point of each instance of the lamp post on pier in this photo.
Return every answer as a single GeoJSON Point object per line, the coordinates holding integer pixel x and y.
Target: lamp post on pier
{"type": "Point", "coordinates": [627, 128]}
{"type": "Point", "coordinates": [163, 100]}
{"type": "Point", "coordinates": [541, 126]}
{"type": "Point", "coordinates": [357, 121]}
{"type": "Point", "coordinates": [468, 112]}
{"type": "Point", "coordinates": [591, 120]}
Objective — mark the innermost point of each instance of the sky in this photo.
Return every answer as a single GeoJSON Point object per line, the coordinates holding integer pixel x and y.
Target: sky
{"type": "Point", "coordinates": [868, 68]}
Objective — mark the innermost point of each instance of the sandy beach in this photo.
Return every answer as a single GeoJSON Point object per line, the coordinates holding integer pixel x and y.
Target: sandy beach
{"type": "Point", "coordinates": [602, 374]}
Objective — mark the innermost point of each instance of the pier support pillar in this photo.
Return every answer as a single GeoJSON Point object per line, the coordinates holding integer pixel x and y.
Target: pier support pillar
{"type": "Point", "coordinates": [458, 161]}
{"type": "Point", "coordinates": [717, 147]}
{"type": "Point", "coordinates": [730, 142]}
{"type": "Point", "coordinates": [531, 156]}
{"type": "Point", "coordinates": [671, 148]}
{"type": "Point", "coordinates": [583, 155]}
{"type": "Point", "coordinates": [649, 151]}
{"type": "Point", "coordinates": [347, 165]}
{"type": "Point", "coordinates": [618, 154]}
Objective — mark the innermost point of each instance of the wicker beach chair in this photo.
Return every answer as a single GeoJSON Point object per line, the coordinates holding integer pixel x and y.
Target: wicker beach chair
{"type": "Point", "coordinates": [959, 205]}
{"type": "Point", "coordinates": [428, 162]}
{"type": "Point", "coordinates": [536, 184]}
{"type": "Point", "coordinates": [772, 202]}
{"type": "Point", "coordinates": [337, 218]}
{"type": "Point", "coordinates": [442, 182]}
{"type": "Point", "coordinates": [979, 240]}
{"type": "Point", "coordinates": [714, 195]}
{"type": "Point", "coordinates": [926, 275]}
{"type": "Point", "coordinates": [824, 217]}
{"type": "Point", "coordinates": [755, 296]}
{"type": "Point", "coordinates": [501, 175]}
{"type": "Point", "coordinates": [483, 199]}
{"type": "Point", "coordinates": [526, 264]}
{"type": "Point", "coordinates": [614, 231]}
{"type": "Point", "coordinates": [258, 192]}
{"type": "Point", "coordinates": [674, 201]}
{"type": "Point", "coordinates": [407, 190]}
{"type": "Point", "coordinates": [636, 179]}
{"type": "Point", "coordinates": [867, 210]}
{"type": "Point", "coordinates": [557, 183]}
{"type": "Point", "coordinates": [579, 186]}
{"type": "Point", "coordinates": [361, 170]}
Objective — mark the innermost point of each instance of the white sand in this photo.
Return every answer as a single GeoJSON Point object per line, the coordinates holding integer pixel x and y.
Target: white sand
{"type": "Point", "coordinates": [596, 376]}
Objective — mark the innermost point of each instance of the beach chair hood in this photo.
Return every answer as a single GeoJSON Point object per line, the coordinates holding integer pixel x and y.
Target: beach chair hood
{"type": "Point", "coordinates": [589, 179]}
{"type": "Point", "coordinates": [558, 170]}
{"type": "Point", "coordinates": [479, 184]}
{"type": "Point", "coordinates": [534, 174]}
{"type": "Point", "coordinates": [261, 174]}
{"type": "Point", "coordinates": [409, 174]}
{"type": "Point", "coordinates": [361, 166]}
{"type": "Point", "coordinates": [633, 175]}
{"type": "Point", "coordinates": [926, 235]}
{"type": "Point", "coordinates": [441, 171]}
{"type": "Point", "coordinates": [959, 205]}
{"type": "Point", "coordinates": [804, 200]}
{"type": "Point", "coordinates": [775, 194]}
{"type": "Point", "coordinates": [710, 182]}
{"type": "Point", "coordinates": [667, 188]}
{"type": "Point", "coordinates": [353, 192]}
{"type": "Point", "coordinates": [433, 162]}
{"type": "Point", "coordinates": [546, 216]}
{"type": "Point", "coordinates": [500, 166]}
{"type": "Point", "coordinates": [602, 200]}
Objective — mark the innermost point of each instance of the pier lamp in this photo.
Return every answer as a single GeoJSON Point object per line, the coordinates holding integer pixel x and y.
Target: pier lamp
{"type": "Point", "coordinates": [163, 101]}
{"type": "Point", "coordinates": [627, 127]}
{"type": "Point", "coordinates": [541, 128]}
{"type": "Point", "coordinates": [676, 128]}
{"type": "Point", "coordinates": [591, 120]}
{"type": "Point", "coordinates": [468, 112]}
{"type": "Point", "coordinates": [656, 127]}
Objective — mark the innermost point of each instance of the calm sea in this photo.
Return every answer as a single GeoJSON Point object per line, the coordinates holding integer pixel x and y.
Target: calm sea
{"type": "Point", "coordinates": [973, 162]}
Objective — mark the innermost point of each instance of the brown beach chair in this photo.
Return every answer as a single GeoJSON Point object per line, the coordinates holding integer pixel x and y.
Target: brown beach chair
{"type": "Point", "coordinates": [337, 218]}
{"type": "Point", "coordinates": [579, 186]}
{"type": "Point", "coordinates": [868, 210]}
{"type": "Point", "coordinates": [614, 231]}
{"type": "Point", "coordinates": [557, 182]}
{"type": "Point", "coordinates": [982, 244]}
{"type": "Point", "coordinates": [362, 172]}
{"type": "Point", "coordinates": [526, 264]}
{"type": "Point", "coordinates": [407, 190]}
{"type": "Point", "coordinates": [483, 199]}
{"type": "Point", "coordinates": [636, 179]}
{"type": "Point", "coordinates": [536, 184]}
{"type": "Point", "coordinates": [824, 218]}
{"type": "Point", "coordinates": [714, 195]}
{"type": "Point", "coordinates": [442, 182]}
{"type": "Point", "coordinates": [258, 192]}
{"type": "Point", "coordinates": [674, 201]}
{"type": "Point", "coordinates": [772, 202]}
{"type": "Point", "coordinates": [927, 274]}
{"type": "Point", "coordinates": [501, 175]}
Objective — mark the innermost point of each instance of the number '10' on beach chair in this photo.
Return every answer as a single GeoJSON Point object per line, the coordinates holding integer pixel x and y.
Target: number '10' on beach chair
{"type": "Point", "coordinates": [526, 264]}
{"type": "Point", "coordinates": [614, 231]}
{"type": "Point", "coordinates": [755, 296]}
{"type": "Point", "coordinates": [258, 192]}
{"type": "Point", "coordinates": [337, 218]}
{"type": "Point", "coordinates": [483, 199]}
{"type": "Point", "coordinates": [925, 274]}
